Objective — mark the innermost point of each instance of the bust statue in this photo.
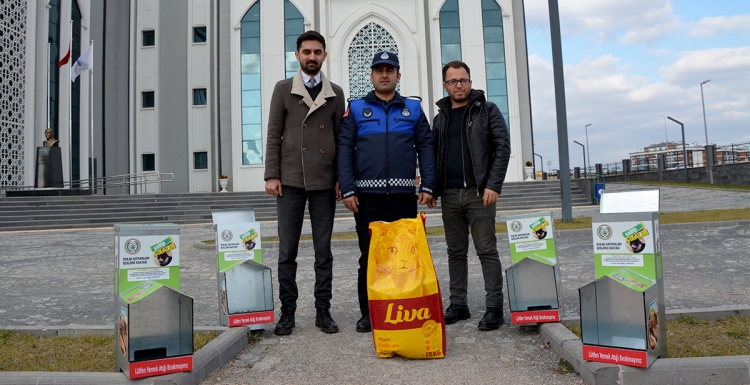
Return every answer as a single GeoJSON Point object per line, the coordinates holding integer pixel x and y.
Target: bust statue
{"type": "Point", "coordinates": [50, 141]}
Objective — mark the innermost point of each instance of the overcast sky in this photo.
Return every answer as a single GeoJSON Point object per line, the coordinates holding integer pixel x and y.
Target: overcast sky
{"type": "Point", "coordinates": [628, 62]}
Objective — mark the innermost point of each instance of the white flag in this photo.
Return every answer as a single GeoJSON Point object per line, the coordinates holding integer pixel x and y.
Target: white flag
{"type": "Point", "coordinates": [83, 64]}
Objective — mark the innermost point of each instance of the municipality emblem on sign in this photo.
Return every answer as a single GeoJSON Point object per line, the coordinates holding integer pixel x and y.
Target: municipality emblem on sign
{"type": "Point", "coordinates": [367, 112]}
{"type": "Point", "coordinates": [226, 235]}
{"type": "Point", "coordinates": [515, 226]}
{"type": "Point", "coordinates": [384, 56]}
{"type": "Point", "coordinates": [405, 112]}
{"type": "Point", "coordinates": [604, 232]}
{"type": "Point", "coordinates": [132, 246]}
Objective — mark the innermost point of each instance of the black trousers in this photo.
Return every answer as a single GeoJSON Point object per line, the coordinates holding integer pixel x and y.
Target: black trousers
{"type": "Point", "coordinates": [291, 210]}
{"type": "Point", "coordinates": [377, 207]}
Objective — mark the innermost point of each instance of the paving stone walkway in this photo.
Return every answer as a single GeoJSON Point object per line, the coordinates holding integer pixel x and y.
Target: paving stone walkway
{"type": "Point", "coordinates": [65, 278]}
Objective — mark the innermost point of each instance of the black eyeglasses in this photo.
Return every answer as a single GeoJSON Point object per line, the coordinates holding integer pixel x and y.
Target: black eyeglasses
{"type": "Point", "coordinates": [453, 82]}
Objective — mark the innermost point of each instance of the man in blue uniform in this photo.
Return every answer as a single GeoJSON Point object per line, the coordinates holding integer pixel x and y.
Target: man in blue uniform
{"type": "Point", "coordinates": [382, 138]}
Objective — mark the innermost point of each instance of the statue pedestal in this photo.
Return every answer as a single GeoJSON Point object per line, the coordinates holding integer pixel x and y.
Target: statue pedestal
{"type": "Point", "coordinates": [49, 176]}
{"type": "Point", "coordinates": [49, 172]}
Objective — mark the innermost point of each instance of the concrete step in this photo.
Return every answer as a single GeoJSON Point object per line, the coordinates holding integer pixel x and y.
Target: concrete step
{"type": "Point", "coordinates": [9, 202]}
{"type": "Point", "coordinates": [7, 213]}
{"type": "Point", "coordinates": [37, 213]}
{"type": "Point", "coordinates": [10, 219]}
{"type": "Point", "coordinates": [131, 208]}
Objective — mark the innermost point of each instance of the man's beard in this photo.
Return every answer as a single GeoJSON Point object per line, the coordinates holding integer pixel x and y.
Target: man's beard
{"type": "Point", "coordinates": [311, 68]}
{"type": "Point", "coordinates": [461, 100]}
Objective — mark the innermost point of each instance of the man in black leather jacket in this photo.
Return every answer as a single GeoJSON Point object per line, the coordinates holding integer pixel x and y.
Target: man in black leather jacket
{"type": "Point", "coordinates": [472, 149]}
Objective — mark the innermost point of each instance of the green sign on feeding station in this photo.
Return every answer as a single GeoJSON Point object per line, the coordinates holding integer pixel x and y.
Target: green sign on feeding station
{"type": "Point", "coordinates": [622, 311]}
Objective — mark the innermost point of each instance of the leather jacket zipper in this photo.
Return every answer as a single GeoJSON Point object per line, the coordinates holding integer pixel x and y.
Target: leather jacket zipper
{"type": "Point", "coordinates": [463, 119]}
{"type": "Point", "coordinates": [471, 158]}
{"type": "Point", "coordinates": [443, 149]}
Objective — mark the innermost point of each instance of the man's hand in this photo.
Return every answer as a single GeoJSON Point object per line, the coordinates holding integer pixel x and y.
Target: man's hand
{"type": "Point", "coordinates": [273, 186]}
{"type": "Point", "coordinates": [432, 203]}
{"type": "Point", "coordinates": [338, 193]}
{"type": "Point", "coordinates": [351, 203]}
{"type": "Point", "coordinates": [490, 197]}
{"type": "Point", "coordinates": [425, 199]}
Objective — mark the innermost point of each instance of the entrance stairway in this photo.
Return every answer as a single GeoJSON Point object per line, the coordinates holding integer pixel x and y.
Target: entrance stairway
{"type": "Point", "coordinates": [40, 213]}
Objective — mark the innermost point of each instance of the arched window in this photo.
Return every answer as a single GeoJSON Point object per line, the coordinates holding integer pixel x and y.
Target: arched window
{"type": "Point", "coordinates": [252, 132]}
{"type": "Point", "coordinates": [371, 39]}
{"type": "Point", "coordinates": [294, 25]}
{"type": "Point", "coordinates": [494, 56]}
{"type": "Point", "coordinates": [450, 32]}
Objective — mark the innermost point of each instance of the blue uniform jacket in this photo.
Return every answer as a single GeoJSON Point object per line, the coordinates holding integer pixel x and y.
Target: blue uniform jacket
{"type": "Point", "coordinates": [378, 150]}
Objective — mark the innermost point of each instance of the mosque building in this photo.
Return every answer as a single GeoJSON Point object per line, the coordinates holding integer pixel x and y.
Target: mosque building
{"type": "Point", "coordinates": [184, 86]}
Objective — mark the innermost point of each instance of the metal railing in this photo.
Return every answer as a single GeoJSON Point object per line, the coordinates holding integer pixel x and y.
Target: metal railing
{"type": "Point", "coordinates": [673, 159]}
{"type": "Point", "coordinates": [732, 153]}
{"type": "Point", "coordinates": [136, 183]}
{"type": "Point", "coordinates": [724, 154]}
{"type": "Point", "coordinates": [643, 163]}
{"type": "Point", "coordinates": [131, 183]}
{"type": "Point", "coordinates": [609, 169]}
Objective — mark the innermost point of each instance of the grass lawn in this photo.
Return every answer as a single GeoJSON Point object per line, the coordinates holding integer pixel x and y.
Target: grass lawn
{"type": "Point", "coordinates": [692, 337]}
{"type": "Point", "coordinates": [687, 337]}
{"type": "Point", "coordinates": [691, 185]}
{"type": "Point", "coordinates": [580, 223]}
{"type": "Point", "coordinates": [27, 353]}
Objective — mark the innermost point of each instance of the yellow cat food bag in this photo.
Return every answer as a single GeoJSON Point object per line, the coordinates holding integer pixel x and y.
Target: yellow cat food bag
{"type": "Point", "coordinates": [406, 308]}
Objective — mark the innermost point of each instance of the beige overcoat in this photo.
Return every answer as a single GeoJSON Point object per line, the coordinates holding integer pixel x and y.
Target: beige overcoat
{"type": "Point", "coordinates": [302, 134]}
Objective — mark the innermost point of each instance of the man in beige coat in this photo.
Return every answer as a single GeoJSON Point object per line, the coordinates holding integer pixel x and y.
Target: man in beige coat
{"type": "Point", "coordinates": [303, 125]}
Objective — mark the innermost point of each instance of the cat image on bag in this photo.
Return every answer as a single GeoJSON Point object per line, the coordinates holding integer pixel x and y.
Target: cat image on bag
{"type": "Point", "coordinates": [398, 268]}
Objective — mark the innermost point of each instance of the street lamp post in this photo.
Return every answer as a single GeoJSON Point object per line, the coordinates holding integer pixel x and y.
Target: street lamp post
{"type": "Point", "coordinates": [584, 154]}
{"type": "Point", "coordinates": [561, 114]}
{"type": "Point", "coordinates": [541, 162]}
{"type": "Point", "coordinates": [666, 143]}
{"type": "Point", "coordinates": [588, 149]}
{"type": "Point", "coordinates": [684, 149]}
{"type": "Point", "coordinates": [705, 129]}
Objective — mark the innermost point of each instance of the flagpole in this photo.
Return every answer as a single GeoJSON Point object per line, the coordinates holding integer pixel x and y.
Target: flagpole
{"type": "Point", "coordinates": [70, 110]}
{"type": "Point", "coordinates": [92, 174]}
{"type": "Point", "coordinates": [48, 72]}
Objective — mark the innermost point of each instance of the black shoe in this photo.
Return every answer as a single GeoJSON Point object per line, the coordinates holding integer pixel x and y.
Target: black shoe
{"type": "Point", "coordinates": [285, 324]}
{"type": "Point", "coordinates": [325, 322]}
{"type": "Point", "coordinates": [455, 313]}
{"type": "Point", "coordinates": [363, 325]}
{"type": "Point", "coordinates": [492, 319]}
